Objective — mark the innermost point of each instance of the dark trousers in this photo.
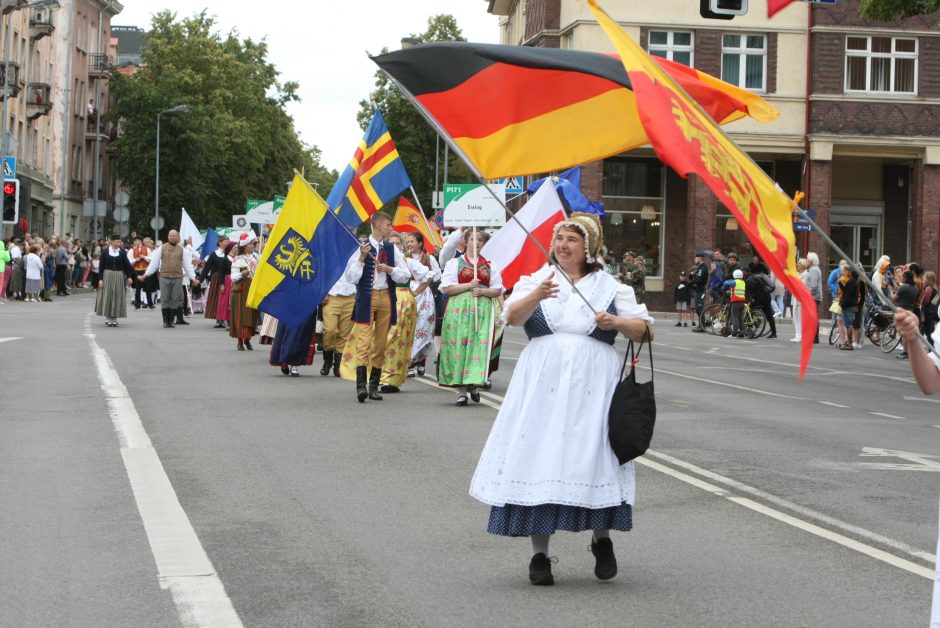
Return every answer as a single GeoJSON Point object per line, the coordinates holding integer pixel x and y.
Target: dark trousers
{"type": "Point", "coordinates": [737, 317]}
{"type": "Point", "coordinates": [61, 276]}
{"type": "Point", "coordinates": [699, 296]}
{"type": "Point", "coordinates": [769, 315]}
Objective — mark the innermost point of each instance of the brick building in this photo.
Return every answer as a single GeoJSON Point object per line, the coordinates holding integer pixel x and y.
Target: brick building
{"type": "Point", "coordinates": [859, 99]}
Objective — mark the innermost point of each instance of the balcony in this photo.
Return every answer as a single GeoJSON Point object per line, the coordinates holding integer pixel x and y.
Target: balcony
{"type": "Point", "coordinates": [39, 102]}
{"type": "Point", "coordinates": [106, 132]}
{"type": "Point", "coordinates": [8, 6]}
{"type": "Point", "coordinates": [98, 65]}
{"type": "Point", "coordinates": [40, 23]}
{"type": "Point", "coordinates": [14, 77]}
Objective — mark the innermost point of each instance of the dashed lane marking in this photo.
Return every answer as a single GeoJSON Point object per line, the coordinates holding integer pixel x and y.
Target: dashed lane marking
{"type": "Point", "coordinates": [783, 517]}
{"type": "Point", "coordinates": [183, 566]}
{"type": "Point", "coordinates": [11, 339]}
{"type": "Point", "coordinates": [888, 416]}
{"type": "Point", "coordinates": [834, 405]}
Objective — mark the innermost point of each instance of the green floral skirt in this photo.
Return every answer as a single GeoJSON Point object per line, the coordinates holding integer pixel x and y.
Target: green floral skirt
{"type": "Point", "coordinates": [470, 337]}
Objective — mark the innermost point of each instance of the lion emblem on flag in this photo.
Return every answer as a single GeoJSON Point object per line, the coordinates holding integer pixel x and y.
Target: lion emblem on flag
{"type": "Point", "coordinates": [292, 257]}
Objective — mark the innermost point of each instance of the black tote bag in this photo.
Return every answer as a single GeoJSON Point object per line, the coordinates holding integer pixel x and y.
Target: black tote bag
{"type": "Point", "coordinates": [632, 414]}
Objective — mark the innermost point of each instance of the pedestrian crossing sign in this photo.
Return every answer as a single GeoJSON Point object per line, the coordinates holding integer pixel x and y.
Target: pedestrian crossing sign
{"type": "Point", "coordinates": [514, 185]}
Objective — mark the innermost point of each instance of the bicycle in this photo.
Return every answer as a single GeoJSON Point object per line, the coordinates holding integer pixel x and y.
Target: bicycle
{"type": "Point", "coordinates": [716, 318]}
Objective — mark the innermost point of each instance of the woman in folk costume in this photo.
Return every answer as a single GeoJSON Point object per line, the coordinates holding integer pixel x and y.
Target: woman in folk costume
{"type": "Point", "coordinates": [293, 346]}
{"type": "Point", "coordinates": [217, 267]}
{"type": "Point", "coordinates": [547, 464]}
{"type": "Point", "coordinates": [117, 274]}
{"type": "Point", "coordinates": [243, 319]}
{"type": "Point", "coordinates": [472, 322]}
{"type": "Point", "coordinates": [224, 307]}
{"type": "Point", "coordinates": [269, 326]}
{"type": "Point", "coordinates": [424, 297]}
{"type": "Point", "coordinates": [401, 335]}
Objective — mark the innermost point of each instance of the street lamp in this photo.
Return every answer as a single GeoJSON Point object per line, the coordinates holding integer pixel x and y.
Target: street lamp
{"type": "Point", "coordinates": [156, 202]}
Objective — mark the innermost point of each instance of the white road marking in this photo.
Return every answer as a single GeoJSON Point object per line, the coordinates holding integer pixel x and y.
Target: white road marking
{"type": "Point", "coordinates": [800, 524]}
{"type": "Point", "coordinates": [920, 462]}
{"type": "Point", "coordinates": [906, 398]}
{"type": "Point", "coordinates": [427, 380]}
{"type": "Point", "coordinates": [728, 385]}
{"type": "Point", "coordinates": [11, 338]}
{"type": "Point", "coordinates": [802, 511]}
{"type": "Point", "coordinates": [182, 564]}
{"type": "Point", "coordinates": [833, 404]}
{"type": "Point", "coordinates": [888, 416]}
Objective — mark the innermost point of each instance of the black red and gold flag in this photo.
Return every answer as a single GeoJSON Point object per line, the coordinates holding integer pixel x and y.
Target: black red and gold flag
{"type": "Point", "coordinates": [516, 110]}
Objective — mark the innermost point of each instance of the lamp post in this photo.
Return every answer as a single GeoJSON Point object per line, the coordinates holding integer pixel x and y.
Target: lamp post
{"type": "Point", "coordinates": [156, 201]}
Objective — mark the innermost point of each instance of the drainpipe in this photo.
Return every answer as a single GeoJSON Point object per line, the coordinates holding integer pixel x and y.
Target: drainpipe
{"type": "Point", "coordinates": [808, 178]}
{"type": "Point", "coordinates": [67, 112]}
{"type": "Point", "coordinates": [98, 104]}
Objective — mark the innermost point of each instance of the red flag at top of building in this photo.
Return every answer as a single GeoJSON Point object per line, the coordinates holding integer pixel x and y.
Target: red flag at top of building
{"type": "Point", "coordinates": [517, 255]}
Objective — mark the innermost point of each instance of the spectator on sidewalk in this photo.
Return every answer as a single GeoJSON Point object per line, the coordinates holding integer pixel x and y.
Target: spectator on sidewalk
{"type": "Point", "coordinates": [848, 301]}
{"type": "Point", "coordinates": [930, 310]}
{"type": "Point", "coordinates": [5, 270]}
{"type": "Point", "coordinates": [801, 268]}
{"type": "Point", "coordinates": [61, 272]}
{"type": "Point", "coordinates": [906, 299]}
{"type": "Point", "coordinates": [814, 284]}
{"type": "Point", "coordinates": [698, 284]}
{"type": "Point", "coordinates": [777, 296]}
{"type": "Point", "coordinates": [681, 295]}
{"type": "Point", "coordinates": [34, 270]}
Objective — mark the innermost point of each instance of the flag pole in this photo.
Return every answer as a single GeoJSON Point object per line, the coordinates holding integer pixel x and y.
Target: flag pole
{"type": "Point", "coordinates": [476, 277]}
{"type": "Point", "coordinates": [414, 195]}
{"type": "Point", "coordinates": [330, 212]}
{"type": "Point", "coordinates": [479, 176]}
{"type": "Point", "coordinates": [855, 266]}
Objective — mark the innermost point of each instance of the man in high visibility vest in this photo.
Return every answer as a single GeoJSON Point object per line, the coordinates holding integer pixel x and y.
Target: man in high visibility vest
{"type": "Point", "coordinates": [737, 288]}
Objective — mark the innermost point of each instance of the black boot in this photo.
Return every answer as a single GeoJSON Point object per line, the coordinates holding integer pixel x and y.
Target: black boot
{"type": "Point", "coordinates": [327, 363]}
{"type": "Point", "coordinates": [168, 318]}
{"type": "Point", "coordinates": [179, 317]}
{"type": "Point", "coordinates": [361, 392]}
{"type": "Point", "coordinates": [374, 379]}
{"type": "Point", "coordinates": [337, 358]}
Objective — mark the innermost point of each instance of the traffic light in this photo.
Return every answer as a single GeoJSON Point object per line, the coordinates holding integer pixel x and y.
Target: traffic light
{"type": "Point", "coordinates": [722, 9]}
{"type": "Point", "coordinates": [11, 201]}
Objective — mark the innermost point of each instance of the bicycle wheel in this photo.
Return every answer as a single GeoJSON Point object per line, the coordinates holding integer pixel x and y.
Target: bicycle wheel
{"type": "Point", "coordinates": [873, 332]}
{"type": "Point", "coordinates": [890, 338]}
{"type": "Point", "coordinates": [759, 323]}
{"type": "Point", "coordinates": [709, 315]}
{"type": "Point", "coordinates": [834, 334]}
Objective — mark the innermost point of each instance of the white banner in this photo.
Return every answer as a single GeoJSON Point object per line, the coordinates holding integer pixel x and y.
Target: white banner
{"type": "Point", "coordinates": [471, 205]}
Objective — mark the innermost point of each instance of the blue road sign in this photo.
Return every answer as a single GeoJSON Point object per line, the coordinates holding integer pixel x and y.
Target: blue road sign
{"type": "Point", "coordinates": [803, 225]}
{"type": "Point", "coordinates": [9, 167]}
{"type": "Point", "coordinates": [514, 185]}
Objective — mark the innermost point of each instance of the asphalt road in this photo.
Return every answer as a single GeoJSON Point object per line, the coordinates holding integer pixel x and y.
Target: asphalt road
{"type": "Point", "coordinates": [765, 502]}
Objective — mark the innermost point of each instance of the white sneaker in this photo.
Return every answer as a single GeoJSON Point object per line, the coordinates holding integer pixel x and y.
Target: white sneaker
{"type": "Point", "coordinates": [794, 340]}
{"type": "Point", "coordinates": [857, 345]}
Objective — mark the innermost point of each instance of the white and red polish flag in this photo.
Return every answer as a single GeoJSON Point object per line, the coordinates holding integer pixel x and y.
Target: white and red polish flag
{"type": "Point", "coordinates": [515, 254]}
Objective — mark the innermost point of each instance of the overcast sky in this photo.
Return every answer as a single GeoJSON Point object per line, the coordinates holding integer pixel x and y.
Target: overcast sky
{"type": "Point", "coordinates": [323, 45]}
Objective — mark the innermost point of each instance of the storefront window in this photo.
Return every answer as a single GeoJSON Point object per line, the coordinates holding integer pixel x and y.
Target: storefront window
{"type": "Point", "coordinates": [729, 237]}
{"type": "Point", "coordinates": [634, 198]}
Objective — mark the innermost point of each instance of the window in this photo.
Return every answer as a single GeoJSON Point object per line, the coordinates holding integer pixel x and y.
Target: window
{"type": "Point", "coordinates": [634, 198]}
{"type": "Point", "coordinates": [744, 61]}
{"type": "Point", "coordinates": [886, 65]}
{"type": "Point", "coordinates": [673, 45]}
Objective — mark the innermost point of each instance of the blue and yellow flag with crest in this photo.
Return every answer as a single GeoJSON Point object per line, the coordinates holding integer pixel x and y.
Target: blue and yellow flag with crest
{"type": "Point", "coordinates": [305, 254]}
{"type": "Point", "coordinates": [374, 176]}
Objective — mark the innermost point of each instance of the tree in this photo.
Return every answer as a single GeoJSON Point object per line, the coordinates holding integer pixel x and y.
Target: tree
{"type": "Point", "coordinates": [415, 139]}
{"type": "Point", "coordinates": [236, 140]}
{"type": "Point", "coordinates": [887, 10]}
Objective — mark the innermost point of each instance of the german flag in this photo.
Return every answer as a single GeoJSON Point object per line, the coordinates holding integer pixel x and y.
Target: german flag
{"type": "Point", "coordinates": [516, 110]}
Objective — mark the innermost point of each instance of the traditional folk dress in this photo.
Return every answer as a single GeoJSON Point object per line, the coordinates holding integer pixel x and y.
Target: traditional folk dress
{"type": "Point", "coordinates": [547, 464]}
{"type": "Point", "coordinates": [218, 267]}
{"type": "Point", "coordinates": [427, 311]}
{"type": "Point", "coordinates": [116, 269]}
{"type": "Point", "coordinates": [293, 346]}
{"type": "Point", "coordinates": [269, 327]}
{"type": "Point", "coordinates": [401, 335]}
{"type": "Point", "coordinates": [242, 319]}
{"type": "Point", "coordinates": [472, 325]}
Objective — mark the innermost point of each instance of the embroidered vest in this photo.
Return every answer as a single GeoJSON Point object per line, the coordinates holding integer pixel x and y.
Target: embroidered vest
{"type": "Point", "coordinates": [362, 310]}
{"type": "Point", "coordinates": [537, 326]}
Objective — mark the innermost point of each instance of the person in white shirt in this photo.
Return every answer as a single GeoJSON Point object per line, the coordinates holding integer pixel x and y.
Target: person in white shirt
{"type": "Point", "coordinates": [34, 269]}
{"type": "Point", "coordinates": [337, 311]}
{"type": "Point", "coordinates": [372, 268]}
{"type": "Point", "coordinates": [172, 262]}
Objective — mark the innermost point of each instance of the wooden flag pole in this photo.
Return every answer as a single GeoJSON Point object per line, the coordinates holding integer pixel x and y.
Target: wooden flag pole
{"type": "Point", "coordinates": [476, 277]}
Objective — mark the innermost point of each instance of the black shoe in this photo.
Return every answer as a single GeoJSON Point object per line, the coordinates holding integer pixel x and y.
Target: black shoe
{"type": "Point", "coordinates": [361, 391]}
{"type": "Point", "coordinates": [772, 336]}
{"type": "Point", "coordinates": [240, 346]}
{"type": "Point", "coordinates": [685, 324]}
{"type": "Point", "coordinates": [540, 571]}
{"type": "Point", "coordinates": [337, 359]}
{"type": "Point", "coordinates": [151, 306]}
{"type": "Point", "coordinates": [374, 379]}
{"type": "Point", "coordinates": [475, 394]}
{"type": "Point", "coordinates": [461, 400]}
{"type": "Point", "coordinates": [179, 317]}
{"type": "Point", "coordinates": [248, 345]}
{"type": "Point", "coordinates": [218, 325]}
{"type": "Point", "coordinates": [137, 306]}
{"type": "Point", "coordinates": [678, 324]}
{"type": "Point", "coordinates": [285, 370]}
{"type": "Point", "coordinates": [388, 388]}
{"type": "Point", "coordinates": [327, 363]}
{"type": "Point", "coordinates": [698, 330]}
{"type": "Point", "coordinates": [605, 565]}
{"type": "Point", "coordinates": [167, 318]}
{"type": "Point", "coordinates": [488, 384]}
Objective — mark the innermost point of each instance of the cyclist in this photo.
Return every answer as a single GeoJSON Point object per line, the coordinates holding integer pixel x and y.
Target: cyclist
{"type": "Point", "coordinates": [738, 291]}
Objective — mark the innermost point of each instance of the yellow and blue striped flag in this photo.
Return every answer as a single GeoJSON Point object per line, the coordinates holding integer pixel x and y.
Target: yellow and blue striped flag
{"type": "Point", "coordinates": [306, 253]}
{"type": "Point", "coordinates": [374, 176]}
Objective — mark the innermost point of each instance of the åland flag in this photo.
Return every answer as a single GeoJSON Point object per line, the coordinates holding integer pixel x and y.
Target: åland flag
{"type": "Point", "coordinates": [409, 219]}
{"type": "Point", "coordinates": [373, 177]}
{"type": "Point", "coordinates": [517, 110]}
{"type": "Point", "coordinates": [306, 253]}
{"type": "Point", "coordinates": [688, 140]}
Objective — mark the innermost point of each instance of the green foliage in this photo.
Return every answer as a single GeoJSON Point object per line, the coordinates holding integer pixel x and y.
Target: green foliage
{"type": "Point", "coordinates": [887, 10]}
{"type": "Point", "coordinates": [415, 139]}
{"type": "Point", "coordinates": [235, 142]}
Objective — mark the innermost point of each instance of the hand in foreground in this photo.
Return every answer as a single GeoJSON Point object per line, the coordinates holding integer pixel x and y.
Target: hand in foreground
{"type": "Point", "coordinates": [365, 250]}
{"type": "Point", "coordinates": [383, 268]}
{"type": "Point", "coordinates": [548, 289]}
{"type": "Point", "coordinates": [606, 321]}
{"type": "Point", "coordinates": [907, 324]}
